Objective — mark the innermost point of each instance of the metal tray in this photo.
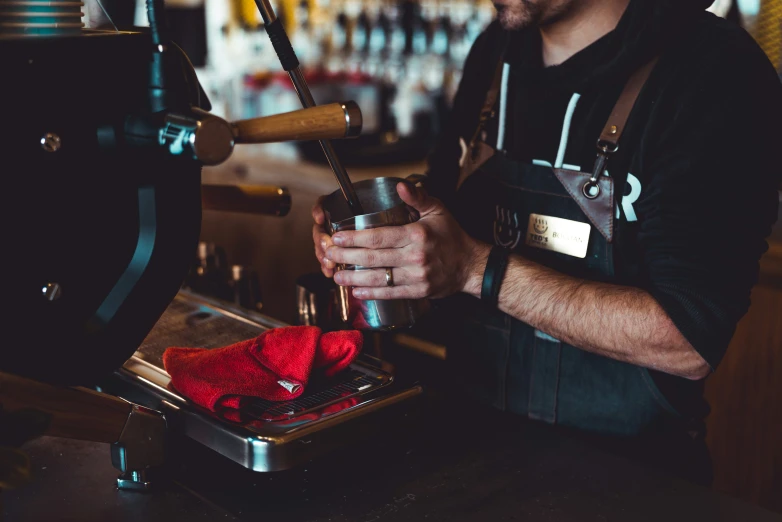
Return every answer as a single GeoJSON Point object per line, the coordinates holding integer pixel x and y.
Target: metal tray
{"type": "Point", "coordinates": [272, 436]}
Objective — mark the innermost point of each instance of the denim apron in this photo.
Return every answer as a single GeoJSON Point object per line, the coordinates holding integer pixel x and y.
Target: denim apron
{"type": "Point", "coordinates": [507, 363]}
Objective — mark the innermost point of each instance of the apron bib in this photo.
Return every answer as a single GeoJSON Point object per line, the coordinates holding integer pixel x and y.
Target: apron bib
{"type": "Point", "coordinates": [506, 362]}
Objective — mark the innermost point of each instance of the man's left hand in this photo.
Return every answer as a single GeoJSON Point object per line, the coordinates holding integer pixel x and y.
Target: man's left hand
{"type": "Point", "coordinates": [433, 257]}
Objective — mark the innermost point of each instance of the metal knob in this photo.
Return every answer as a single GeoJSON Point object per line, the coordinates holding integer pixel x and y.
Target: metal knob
{"type": "Point", "coordinates": [205, 137]}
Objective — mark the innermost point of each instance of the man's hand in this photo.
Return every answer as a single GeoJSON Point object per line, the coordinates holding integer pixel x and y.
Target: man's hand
{"type": "Point", "coordinates": [432, 257]}
{"type": "Point", "coordinates": [321, 239]}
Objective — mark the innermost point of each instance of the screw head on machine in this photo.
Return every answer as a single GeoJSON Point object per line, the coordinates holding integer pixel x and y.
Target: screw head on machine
{"type": "Point", "coordinates": [51, 291]}
{"type": "Point", "coordinates": [51, 142]}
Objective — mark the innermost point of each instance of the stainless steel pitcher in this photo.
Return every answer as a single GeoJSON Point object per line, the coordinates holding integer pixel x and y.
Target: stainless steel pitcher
{"type": "Point", "coordinates": [316, 301]}
{"type": "Point", "coordinates": [383, 207]}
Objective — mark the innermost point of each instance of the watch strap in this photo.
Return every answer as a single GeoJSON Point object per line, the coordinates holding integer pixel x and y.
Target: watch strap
{"type": "Point", "coordinates": [494, 274]}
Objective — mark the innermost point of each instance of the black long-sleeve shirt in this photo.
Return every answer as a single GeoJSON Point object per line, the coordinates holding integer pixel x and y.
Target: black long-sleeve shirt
{"type": "Point", "coordinates": [699, 159]}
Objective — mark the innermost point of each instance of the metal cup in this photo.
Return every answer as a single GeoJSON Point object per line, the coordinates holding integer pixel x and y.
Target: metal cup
{"type": "Point", "coordinates": [383, 207]}
{"type": "Point", "coordinates": [316, 300]}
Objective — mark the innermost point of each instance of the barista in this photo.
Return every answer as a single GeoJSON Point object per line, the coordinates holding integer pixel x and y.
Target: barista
{"type": "Point", "coordinates": [599, 285]}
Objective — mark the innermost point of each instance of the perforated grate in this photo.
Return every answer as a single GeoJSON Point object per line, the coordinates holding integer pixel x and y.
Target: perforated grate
{"type": "Point", "coordinates": [348, 384]}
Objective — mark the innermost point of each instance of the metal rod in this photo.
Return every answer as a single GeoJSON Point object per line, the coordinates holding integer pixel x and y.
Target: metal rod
{"type": "Point", "coordinates": [307, 101]}
{"type": "Point", "coordinates": [305, 96]}
{"type": "Point", "coordinates": [267, 13]}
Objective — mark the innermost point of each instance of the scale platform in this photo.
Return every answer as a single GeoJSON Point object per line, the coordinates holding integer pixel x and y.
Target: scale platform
{"type": "Point", "coordinates": [272, 435]}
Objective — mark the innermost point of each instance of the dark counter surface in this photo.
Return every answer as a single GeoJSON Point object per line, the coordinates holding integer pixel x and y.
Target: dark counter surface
{"type": "Point", "coordinates": [482, 466]}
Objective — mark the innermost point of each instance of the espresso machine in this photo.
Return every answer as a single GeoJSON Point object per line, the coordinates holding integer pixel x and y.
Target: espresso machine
{"type": "Point", "coordinates": [104, 137]}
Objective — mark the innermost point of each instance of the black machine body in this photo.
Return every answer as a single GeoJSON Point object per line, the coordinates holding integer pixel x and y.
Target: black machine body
{"type": "Point", "coordinates": [99, 229]}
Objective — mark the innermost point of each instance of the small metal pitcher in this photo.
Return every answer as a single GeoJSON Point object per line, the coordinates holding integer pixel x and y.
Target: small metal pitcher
{"type": "Point", "coordinates": [384, 208]}
{"type": "Point", "coordinates": [316, 301]}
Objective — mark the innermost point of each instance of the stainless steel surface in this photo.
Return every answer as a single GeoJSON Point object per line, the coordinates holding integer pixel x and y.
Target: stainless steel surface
{"type": "Point", "coordinates": [205, 137]}
{"type": "Point", "coordinates": [345, 185]}
{"type": "Point", "coordinates": [134, 481]}
{"type": "Point", "coordinates": [307, 307]}
{"type": "Point", "coordinates": [353, 119]}
{"type": "Point", "coordinates": [385, 208]}
{"type": "Point", "coordinates": [316, 300]}
{"type": "Point", "coordinates": [213, 140]}
{"type": "Point", "coordinates": [307, 301]}
{"type": "Point", "coordinates": [278, 435]}
{"type": "Point", "coordinates": [267, 13]}
{"type": "Point", "coordinates": [51, 291]}
{"type": "Point", "coordinates": [142, 441]}
{"type": "Point", "coordinates": [302, 89]}
{"type": "Point", "coordinates": [591, 189]}
{"type": "Point", "coordinates": [51, 142]}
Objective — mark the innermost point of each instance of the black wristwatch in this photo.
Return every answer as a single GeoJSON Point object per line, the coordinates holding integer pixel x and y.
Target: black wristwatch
{"type": "Point", "coordinates": [493, 275]}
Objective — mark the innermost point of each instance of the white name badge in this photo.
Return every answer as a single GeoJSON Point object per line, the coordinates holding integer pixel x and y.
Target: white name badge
{"type": "Point", "coordinates": [558, 235]}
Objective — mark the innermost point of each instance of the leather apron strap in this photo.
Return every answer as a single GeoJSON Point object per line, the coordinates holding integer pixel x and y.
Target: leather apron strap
{"type": "Point", "coordinates": [615, 125]}
{"type": "Point", "coordinates": [477, 152]}
{"type": "Point", "coordinates": [488, 111]}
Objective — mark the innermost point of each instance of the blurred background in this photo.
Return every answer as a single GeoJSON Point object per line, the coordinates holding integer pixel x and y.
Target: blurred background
{"type": "Point", "coordinates": [400, 60]}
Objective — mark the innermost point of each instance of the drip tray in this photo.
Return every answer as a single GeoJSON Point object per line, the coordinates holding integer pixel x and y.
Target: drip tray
{"type": "Point", "coordinates": [271, 436]}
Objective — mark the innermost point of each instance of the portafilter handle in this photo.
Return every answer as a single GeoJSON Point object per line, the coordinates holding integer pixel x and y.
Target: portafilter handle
{"type": "Point", "coordinates": [332, 121]}
{"type": "Point", "coordinates": [210, 139]}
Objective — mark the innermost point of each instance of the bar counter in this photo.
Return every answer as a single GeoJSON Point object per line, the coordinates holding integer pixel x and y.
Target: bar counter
{"type": "Point", "coordinates": [448, 464]}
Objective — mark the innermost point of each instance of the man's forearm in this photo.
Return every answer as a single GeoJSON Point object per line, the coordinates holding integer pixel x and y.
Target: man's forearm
{"type": "Point", "coordinates": [620, 322]}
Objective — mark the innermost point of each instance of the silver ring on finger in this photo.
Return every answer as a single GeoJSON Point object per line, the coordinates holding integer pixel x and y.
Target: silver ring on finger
{"type": "Point", "coordinates": [389, 277]}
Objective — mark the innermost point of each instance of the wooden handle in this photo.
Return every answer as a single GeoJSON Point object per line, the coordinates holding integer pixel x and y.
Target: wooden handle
{"type": "Point", "coordinates": [76, 413]}
{"type": "Point", "coordinates": [262, 200]}
{"type": "Point", "coordinates": [325, 122]}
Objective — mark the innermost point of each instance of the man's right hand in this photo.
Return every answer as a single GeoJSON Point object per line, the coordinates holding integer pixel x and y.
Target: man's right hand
{"type": "Point", "coordinates": [321, 239]}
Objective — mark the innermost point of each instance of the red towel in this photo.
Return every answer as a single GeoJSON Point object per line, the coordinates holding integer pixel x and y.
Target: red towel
{"type": "Point", "coordinates": [274, 366]}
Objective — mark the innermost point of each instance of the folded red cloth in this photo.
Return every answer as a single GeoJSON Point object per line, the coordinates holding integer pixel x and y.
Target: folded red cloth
{"type": "Point", "coordinates": [274, 366]}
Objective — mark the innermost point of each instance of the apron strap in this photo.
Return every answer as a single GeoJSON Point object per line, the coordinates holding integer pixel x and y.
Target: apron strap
{"type": "Point", "coordinates": [475, 152]}
{"type": "Point", "coordinates": [615, 125]}
{"type": "Point", "coordinates": [487, 111]}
